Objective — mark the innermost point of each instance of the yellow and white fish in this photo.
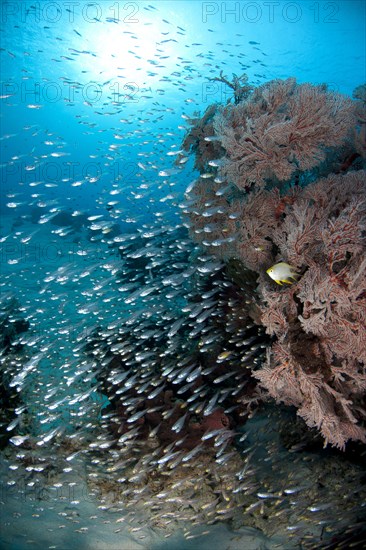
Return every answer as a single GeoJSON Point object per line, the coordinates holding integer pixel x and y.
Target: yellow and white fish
{"type": "Point", "coordinates": [282, 273]}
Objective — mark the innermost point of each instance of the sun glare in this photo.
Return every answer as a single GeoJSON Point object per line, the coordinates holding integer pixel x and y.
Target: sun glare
{"type": "Point", "coordinates": [129, 53]}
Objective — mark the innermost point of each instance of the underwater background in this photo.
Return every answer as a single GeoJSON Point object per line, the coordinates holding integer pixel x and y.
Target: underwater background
{"type": "Point", "coordinates": [159, 389]}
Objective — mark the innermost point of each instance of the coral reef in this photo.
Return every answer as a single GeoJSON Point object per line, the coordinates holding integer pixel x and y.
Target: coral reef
{"type": "Point", "coordinates": [291, 187]}
{"type": "Point", "coordinates": [208, 397]}
{"type": "Point", "coordinates": [182, 435]}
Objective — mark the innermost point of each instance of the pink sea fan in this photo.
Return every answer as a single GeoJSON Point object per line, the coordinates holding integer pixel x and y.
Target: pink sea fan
{"type": "Point", "coordinates": [283, 127]}
{"type": "Point", "coordinates": [318, 362]}
{"type": "Point", "coordinates": [270, 203]}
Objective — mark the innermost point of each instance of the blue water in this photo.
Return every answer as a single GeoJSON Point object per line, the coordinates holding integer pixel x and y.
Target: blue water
{"type": "Point", "coordinates": [59, 58]}
{"type": "Point", "coordinates": [95, 102]}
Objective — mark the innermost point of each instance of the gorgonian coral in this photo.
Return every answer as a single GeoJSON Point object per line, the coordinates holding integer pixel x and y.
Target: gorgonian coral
{"type": "Point", "coordinates": [282, 128]}
{"type": "Point", "coordinates": [291, 187]}
{"type": "Point", "coordinates": [318, 362]}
